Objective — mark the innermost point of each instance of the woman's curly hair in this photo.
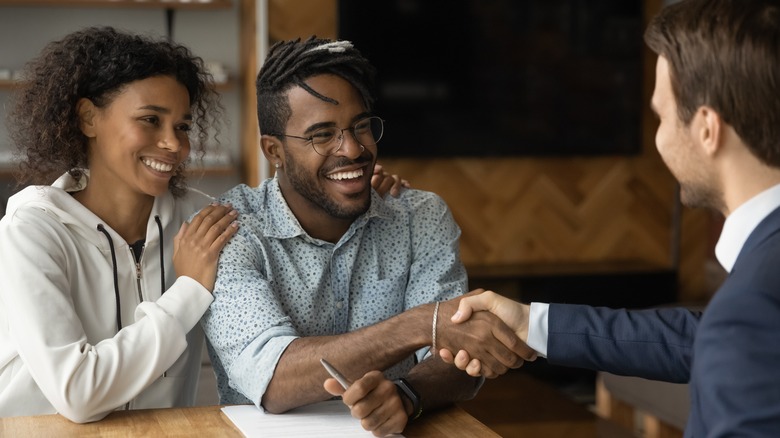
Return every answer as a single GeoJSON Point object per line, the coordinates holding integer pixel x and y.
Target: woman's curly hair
{"type": "Point", "coordinates": [96, 63]}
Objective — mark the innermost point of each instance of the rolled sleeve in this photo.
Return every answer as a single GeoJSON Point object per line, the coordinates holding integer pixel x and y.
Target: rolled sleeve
{"type": "Point", "coordinates": [253, 369]}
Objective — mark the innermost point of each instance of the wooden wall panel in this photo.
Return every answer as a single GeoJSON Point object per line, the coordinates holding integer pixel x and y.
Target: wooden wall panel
{"type": "Point", "coordinates": [537, 211]}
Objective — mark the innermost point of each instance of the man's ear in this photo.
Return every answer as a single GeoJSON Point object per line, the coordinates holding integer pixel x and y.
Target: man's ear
{"type": "Point", "coordinates": [87, 112]}
{"type": "Point", "coordinates": [709, 129]}
{"type": "Point", "coordinates": [273, 150]}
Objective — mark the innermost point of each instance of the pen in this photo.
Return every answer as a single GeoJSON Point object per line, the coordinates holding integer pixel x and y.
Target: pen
{"type": "Point", "coordinates": [335, 373]}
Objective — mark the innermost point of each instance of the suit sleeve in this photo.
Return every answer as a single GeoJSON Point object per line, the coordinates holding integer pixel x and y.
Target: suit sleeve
{"type": "Point", "coordinates": [654, 344]}
{"type": "Point", "coordinates": [736, 366]}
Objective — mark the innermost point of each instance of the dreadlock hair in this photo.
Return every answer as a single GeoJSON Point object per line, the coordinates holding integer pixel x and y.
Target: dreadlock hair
{"type": "Point", "coordinates": [97, 63]}
{"type": "Point", "coordinates": [290, 63]}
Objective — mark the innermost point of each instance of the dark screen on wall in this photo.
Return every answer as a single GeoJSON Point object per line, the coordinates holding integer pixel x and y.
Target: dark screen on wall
{"type": "Point", "coordinates": [503, 77]}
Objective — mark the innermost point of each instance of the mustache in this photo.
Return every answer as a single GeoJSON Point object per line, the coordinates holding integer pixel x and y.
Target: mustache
{"type": "Point", "coordinates": [343, 162]}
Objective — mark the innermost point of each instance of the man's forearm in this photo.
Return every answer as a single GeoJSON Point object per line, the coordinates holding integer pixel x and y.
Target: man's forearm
{"type": "Point", "coordinates": [298, 376]}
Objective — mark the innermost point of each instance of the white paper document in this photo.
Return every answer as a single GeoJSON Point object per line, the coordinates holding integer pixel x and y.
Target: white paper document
{"type": "Point", "coordinates": [321, 420]}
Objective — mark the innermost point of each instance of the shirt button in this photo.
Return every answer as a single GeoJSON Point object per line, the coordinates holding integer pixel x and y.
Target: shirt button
{"type": "Point", "coordinates": [339, 304]}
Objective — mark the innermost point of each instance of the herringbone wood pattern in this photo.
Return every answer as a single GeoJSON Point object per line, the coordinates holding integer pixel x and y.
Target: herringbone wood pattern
{"type": "Point", "coordinates": [531, 211]}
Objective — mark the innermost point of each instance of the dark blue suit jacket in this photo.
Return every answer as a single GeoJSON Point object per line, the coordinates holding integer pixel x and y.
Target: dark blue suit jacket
{"type": "Point", "coordinates": [730, 354]}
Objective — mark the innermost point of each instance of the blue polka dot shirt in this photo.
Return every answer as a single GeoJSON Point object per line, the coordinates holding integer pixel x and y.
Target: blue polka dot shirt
{"type": "Point", "coordinates": [276, 283]}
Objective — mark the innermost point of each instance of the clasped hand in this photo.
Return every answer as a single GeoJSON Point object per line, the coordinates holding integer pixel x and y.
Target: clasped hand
{"type": "Point", "coordinates": [494, 314]}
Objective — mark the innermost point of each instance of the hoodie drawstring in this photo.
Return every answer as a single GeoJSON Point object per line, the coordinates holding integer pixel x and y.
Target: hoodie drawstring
{"type": "Point", "coordinates": [116, 279]}
{"type": "Point", "coordinates": [116, 275]}
{"type": "Point", "coordinates": [162, 255]}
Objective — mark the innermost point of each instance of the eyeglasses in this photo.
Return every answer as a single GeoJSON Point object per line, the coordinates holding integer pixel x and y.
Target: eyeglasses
{"type": "Point", "coordinates": [328, 141]}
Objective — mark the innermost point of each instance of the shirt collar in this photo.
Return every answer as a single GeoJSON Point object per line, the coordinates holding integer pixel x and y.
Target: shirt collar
{"type": "Point", "coordinates": [281, 223]}
{"type": "Point", "coordinates": [742, 222]}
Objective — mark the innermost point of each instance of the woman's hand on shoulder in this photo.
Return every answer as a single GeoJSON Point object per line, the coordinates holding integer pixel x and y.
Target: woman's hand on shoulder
{"type": "Point", "coordinates": [385, 183]}
{"type": "Point", "coordinates": [197, 246]}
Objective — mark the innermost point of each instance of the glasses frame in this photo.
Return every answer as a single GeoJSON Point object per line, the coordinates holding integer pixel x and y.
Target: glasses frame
{"type": "Point", "coordinates": [351, 129]}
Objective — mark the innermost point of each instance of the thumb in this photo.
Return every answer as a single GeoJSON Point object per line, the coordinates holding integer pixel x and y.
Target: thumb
{"type": "Point", "coordinates": [333, 386]}
{"type": "Point", "coordinates": [469, 305]}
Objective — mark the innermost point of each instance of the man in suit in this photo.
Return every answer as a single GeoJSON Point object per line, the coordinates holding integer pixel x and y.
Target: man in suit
{"type": "Point", "coordinates": [716, 97]}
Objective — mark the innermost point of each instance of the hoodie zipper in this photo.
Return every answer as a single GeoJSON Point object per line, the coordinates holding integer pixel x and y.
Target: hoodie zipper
{"type": "Point", "coordinates": [138, 276]}
{"type": "Point", "coordinates": [138, 272]}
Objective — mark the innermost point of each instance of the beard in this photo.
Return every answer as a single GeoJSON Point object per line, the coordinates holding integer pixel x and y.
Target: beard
{"type": "Point", "coordinates": [697, 195]}
{"type": "Point", "coordinates": [306, 187]}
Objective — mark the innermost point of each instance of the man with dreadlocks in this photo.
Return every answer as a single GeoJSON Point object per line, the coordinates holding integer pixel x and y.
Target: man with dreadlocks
{"type": "Point", "coordinates": [322, 267]}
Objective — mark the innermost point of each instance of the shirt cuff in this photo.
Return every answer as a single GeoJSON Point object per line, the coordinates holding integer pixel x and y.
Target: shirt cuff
{"type": "Point", "coordinates": [538, 328]}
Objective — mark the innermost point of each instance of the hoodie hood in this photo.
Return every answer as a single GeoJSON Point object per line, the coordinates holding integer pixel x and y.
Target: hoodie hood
{"type": "Point", "coordinates": [57, 200]}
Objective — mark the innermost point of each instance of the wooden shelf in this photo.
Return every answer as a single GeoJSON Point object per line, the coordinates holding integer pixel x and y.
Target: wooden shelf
{"type": "Point", "coordinates": [159, 4]}
{"type": "Point", "coordinates": [194, 172]}
{"type": "Point", "coordinates": [6, 84]}
{"type": "Point", "coordinates": [6, 172]}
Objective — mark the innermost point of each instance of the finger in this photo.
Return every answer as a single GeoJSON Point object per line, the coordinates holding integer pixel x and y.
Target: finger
{"type": "Point", "coordinates": [385, 186]}
{"type": "Point", "coordinates": [333, 386]}
{"type": "Point", "coordinates": [462, 360]}
{"type": "Point", "coordinates": [210, 224]}
{"type": "Point", "coordinates": [446, 356]}
{"type": "Point", "coordinates": [474, 368]}
{"type": "Point", "coordinates": [222, 231]}
{"type": "Point", "coordinates": [394, 424]}
{"type": "Point", "coordinates": [203, 221]}
{"type": "Point", "coordinates": [363, 386]}
{"type": "Point", "coordinates": [471, 304]}
{"type": "Point", "coordinates": [487, 371]}
{"type": "Point", "coordinates": [223, 239]}
{"type": "Point", "coordinates": [216, 220]}
{"type": "Point", "coordinates": [405, 183]}
{"type": "Point", "coordinates": [466, 307]}
{"type": "Point", "coordinates": [381, 411]}
{"type": "Point", "coordinates": [509, 339]}
{"type": "Point", "coordinates": [395, 190]}
{"type": "Point", "coordinates": [205, 211]}
{"type": "Point", "coordinates": [378, 169]}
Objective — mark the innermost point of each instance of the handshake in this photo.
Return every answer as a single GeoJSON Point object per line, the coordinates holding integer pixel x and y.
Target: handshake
{"type": "Point", "coordinates": [497, 345]}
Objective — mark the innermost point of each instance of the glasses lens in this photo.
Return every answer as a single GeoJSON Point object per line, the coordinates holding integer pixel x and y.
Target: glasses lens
{"type": "Point", "coordinates": [326, 140]}
{"type": "Point", "coordinates": [368, 131]}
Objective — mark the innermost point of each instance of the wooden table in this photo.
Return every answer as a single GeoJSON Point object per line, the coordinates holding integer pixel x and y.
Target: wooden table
{"type": "Point", "coordinates": [516, 405]}
{"type": "Point", "coordinates": [209, 421]}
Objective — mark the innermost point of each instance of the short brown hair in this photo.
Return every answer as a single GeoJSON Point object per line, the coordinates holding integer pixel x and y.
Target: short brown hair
{"type": "Point", "coordinates": [725, 54]}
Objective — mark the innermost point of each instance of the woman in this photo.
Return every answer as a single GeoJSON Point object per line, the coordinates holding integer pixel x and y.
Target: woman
{"type": "Point", "coordinates": [93, 315]}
